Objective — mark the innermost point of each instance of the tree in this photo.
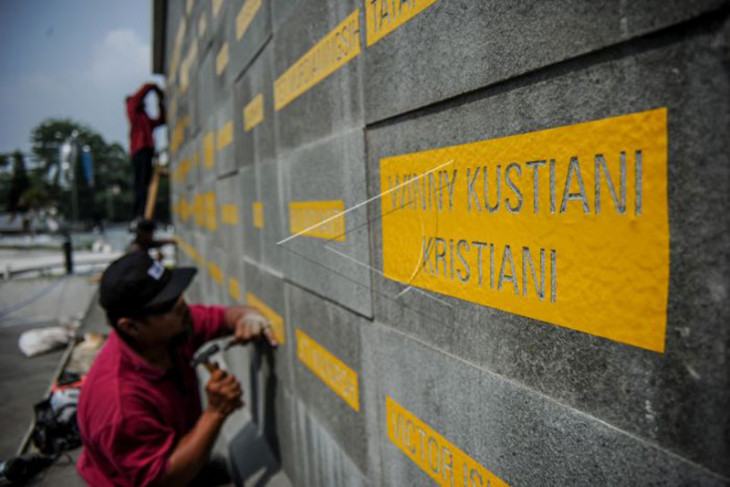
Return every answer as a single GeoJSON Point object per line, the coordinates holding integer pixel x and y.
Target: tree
{"type": "Point", "coordinates": [112, 171]}
{"type": "Point", "coordinates": [19, 183]}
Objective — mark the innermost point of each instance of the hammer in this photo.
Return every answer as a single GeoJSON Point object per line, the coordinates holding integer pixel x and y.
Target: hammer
{"type": "Point", "coordinates": [203, 357]}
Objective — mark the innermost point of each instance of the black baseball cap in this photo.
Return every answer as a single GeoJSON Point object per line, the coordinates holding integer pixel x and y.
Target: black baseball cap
{"type": "Point", "coordinates": [136, 285]}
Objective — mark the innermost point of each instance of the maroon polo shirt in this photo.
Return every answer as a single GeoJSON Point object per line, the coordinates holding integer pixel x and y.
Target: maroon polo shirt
{"type": "Point", "coordinates": [131, 414]}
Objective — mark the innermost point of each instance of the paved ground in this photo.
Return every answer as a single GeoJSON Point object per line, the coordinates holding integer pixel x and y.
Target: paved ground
{"type": "Point", "coordinates": [24, 381]}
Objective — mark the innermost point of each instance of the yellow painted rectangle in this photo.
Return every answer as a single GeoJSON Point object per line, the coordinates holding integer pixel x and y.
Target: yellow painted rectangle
{"type": "Point", "coordinates": [202, 25]}
{"type": "Point", "coordinates": [209, 150]}
{"type": "Point", "coordinates": [224, 137]}
{"type": "Point", "coordinates": [217, 4]}
{"type": "Point", "coordinates": [172, 108]}
{"type": "Point", "coordinates": [189, 6]}
{"type": "Point", "coordinates": [215, 272]}
{"type": "Point", "coordinates": [258, 214]}
{"type": "Point", "coordinates": [211, 216]}
{"type": "Point", "coordinates": [221, 60]}
{"type": "Point", "coordinates": [277, 322]}
{"type": "Point", "coordinates": [199, 210]}
{"type": "Point", "coordinates": [229, 214]}
{"type": "Point", "coordinates": [318, 219]}
{"type": "Point", "coordinates": [384, 16]}
{"type": "Point", "coordinates": [331, 370]}
{"type": "Point", "coordinates": [186, 65]}
{"type": "Point", "coordinates": [245, 16]}
{"type": "Point", "coordinates": [253, 113]}
{"type": "Point", "coordinates": [331, 53]}
{"type": "Point", "coordinates": [199, 259]}
{"type": "Point", "coordinates": [574, 230]}
{"type": "Point", "coordinates": [444, 462]}
{"type": "Point", "coordinates": [234, 289]}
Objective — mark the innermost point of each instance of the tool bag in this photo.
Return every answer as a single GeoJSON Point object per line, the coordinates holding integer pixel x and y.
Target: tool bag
{"type": "Point", "coordinates": [55, 430]}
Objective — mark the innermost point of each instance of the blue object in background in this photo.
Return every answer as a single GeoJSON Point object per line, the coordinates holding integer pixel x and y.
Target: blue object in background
{"type": "Point", "coordinates": [87, 163]}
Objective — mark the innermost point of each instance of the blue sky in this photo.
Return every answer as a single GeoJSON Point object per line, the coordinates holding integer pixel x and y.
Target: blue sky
{"type": "Point", "coordinates": [71, 58]}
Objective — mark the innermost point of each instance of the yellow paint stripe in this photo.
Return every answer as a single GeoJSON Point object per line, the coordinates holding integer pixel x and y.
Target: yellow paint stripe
{"type": "Point", "coordinates": [217, 4]}
{"type": "Point", "coordinates": [221, 60]}
{"type": "Point", "coordinates": [215, 272]}
{"type": "Point", "coordinates": [211, 216]}
{"type": "Point", "coordinates": [335, 50]}
{"type": "Point", "coordinates": [224, 137]}
{"type": "Point", "coordinates": [318, 219]}
{"type": "Point", "coordinates": [552, 225]}
{"type": "Point", "coordinates": [444, 462]}
{"type": "Point", "coordinates": [277, 322]}
{"type": "Point", "coordinates": [253, 113]}
{"type": "Point", "coordinates": [331, 370]}
{"type": "Point", "coordinates": [258, 214]}
{"type": "Point", "coordinates": [234, 289]}
{"type": "Point", "coordinates": [245, 16]}
{"type": "Point", "coordinates": [229, 214]}
{"type": "Point", "coordinates": [209, 150]}
{"type": "Point", "coordinates": [384, 16]}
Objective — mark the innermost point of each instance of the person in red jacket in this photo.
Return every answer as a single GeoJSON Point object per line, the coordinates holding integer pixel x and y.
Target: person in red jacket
{"type": "Point", "coordinates": [141, 142]}
{"type": "Point", "coordinates": [139, 413]}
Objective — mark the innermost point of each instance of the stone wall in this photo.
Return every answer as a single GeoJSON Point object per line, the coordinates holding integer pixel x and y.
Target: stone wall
{"type": "Point", "coordinates": [538, 298]}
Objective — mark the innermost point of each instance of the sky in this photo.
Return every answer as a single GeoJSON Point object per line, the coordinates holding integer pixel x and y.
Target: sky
{"type": "Point", "coordinates": [75, 59]}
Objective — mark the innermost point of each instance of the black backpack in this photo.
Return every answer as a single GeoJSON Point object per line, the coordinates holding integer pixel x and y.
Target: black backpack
{"type": "Point", "coordinates": [55, 431]}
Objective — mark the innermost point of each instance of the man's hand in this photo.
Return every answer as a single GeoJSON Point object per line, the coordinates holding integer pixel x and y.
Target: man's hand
{"type": "Point", "coordinates": [224, 393]}
{"type": "Point", "coordinates": [250, 325]}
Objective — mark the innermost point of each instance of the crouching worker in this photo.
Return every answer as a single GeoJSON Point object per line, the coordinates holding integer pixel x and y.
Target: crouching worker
{"type": "Point", "coordinates": [140, 412]}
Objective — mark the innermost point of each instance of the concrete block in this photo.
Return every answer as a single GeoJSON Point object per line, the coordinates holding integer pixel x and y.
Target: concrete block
{"type": "Point", "coordinates": [280, 10]}
{"type": "Point", "coordinates": [208, 158]}
{"type": "Point", "coordinates": [332, 105]}
{"type": "Point", "coordinates": [225, 134]}
{"type": "Point", "coordinates": [199, 286]}
{"type": "Point", "coordinates": [221, 51]}
{"type": "Point", "coordinates": [194, 155]}
{"type": "Point", "coordinates": [174, 17]}
{"type": "Point", "coordinates": [338, 334]}
{"type": "Point", "coordinates": [250, 31]}
{"type": "Point", "coordinates": [248, 191]}
{"type": "Point", "coordinates": [270, 223]}
{"type": "Point", "coordinates": [266, 292]}
{"type": "Point", "coordinates": [235, 286]}
{"type": "Point", "coordinates": [206, 86]}
{"type": "Point", "coordinates": [326, 464]}
{"type": "Point", "coordinates": [521, 436]}
{"type": "Point", "coordinates": [334, 264]}
{"type": "Point", "coordinates": [678, 399]}
{"type": "Point", "coordinates": [215, 272]}
{"type": "Point", "coordinates": [201, 24]}
{"type": "Point", "coordinates": [257, 461]}
{"type": "Point", "coordinates": [413, 66]}
{"type": "Point", "coordinates": [255, 134]}
{"type": "Point", "coordinates": [220, 14]}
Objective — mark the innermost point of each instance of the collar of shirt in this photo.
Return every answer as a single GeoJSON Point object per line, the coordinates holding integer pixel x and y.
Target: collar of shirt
{"type": "Point", "coordinates": [134, 361]}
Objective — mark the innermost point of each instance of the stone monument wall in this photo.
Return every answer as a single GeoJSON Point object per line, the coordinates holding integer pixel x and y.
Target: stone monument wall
{"type": "Point", "coordinates": [492, 236]}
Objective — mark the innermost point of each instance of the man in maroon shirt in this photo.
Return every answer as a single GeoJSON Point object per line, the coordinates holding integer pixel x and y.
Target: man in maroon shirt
{"type": "Point", "coordinates": [139, 413]}
{"type": "Point", "coordinates": [141, 142]}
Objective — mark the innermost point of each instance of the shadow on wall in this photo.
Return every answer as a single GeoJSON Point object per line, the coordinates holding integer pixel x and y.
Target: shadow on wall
{"type": "Point", "coordinates": [254, 451]}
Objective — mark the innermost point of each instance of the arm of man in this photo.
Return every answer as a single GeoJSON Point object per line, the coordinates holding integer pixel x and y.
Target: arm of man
{"type": "Point", "coordinates": [246, 323]}
{"type": "Point", "coordinates": [162, 242]}
{"type": "Point", "coordinates": [160, 120]}
{"type": "Point", "coordinates": [193, 449]}
{"type": "Point", "coordinates": [136, 101]}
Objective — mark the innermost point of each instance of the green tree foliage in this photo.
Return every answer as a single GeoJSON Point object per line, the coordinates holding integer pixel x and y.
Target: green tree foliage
{"type": "Point", "coordinates": [111, 197]}
{"type": "Point", "coordinates": [19, 183]}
